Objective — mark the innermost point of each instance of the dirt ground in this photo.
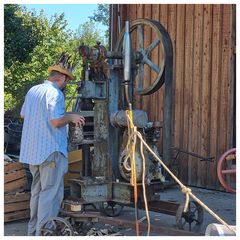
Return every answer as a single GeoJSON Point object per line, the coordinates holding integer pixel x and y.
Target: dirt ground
{"type": "Point", "coordinates": [223, 204]}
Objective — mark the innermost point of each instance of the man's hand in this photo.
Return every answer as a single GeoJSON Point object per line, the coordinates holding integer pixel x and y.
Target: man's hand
{"type": "Point", "coordinates": [77, 119]}
{"type": "Point", "coordinates": [68, 118]}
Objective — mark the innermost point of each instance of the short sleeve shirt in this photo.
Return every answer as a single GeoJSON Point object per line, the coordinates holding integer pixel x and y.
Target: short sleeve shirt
{"type": "Point", "coordinates": [43, 103]}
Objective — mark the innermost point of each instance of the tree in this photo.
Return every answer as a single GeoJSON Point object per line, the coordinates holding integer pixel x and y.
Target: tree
{"type": "Point", "coordinates": [88, 33]}
{"type": "Point", "coordinates": [22, 72]}
{"type": "Point", "coordinates": [49, 38]}
{"type": "Point", "coordinates": [102, 14]}
{"type": "Point", "coordinates": [19, 37]}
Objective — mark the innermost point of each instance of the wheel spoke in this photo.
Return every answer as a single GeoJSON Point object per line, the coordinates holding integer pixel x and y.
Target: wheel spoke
{"type": "Point", "coordinates": [229, 171]}
{"type": "Point", "coordinates": [140, 36]}
{"type": "Point", "coordinates": [53, 224]}
{"type": "Point", "coordinates": [150, 48]}
{"type": "Point", "coordinates": [140, 76]}
{"type": "Point", "coordinates": [151, 64]}
{"type": "Point", "coordinates": [195, 220]}
{"type": "Point", "coordinates": [194, 210]}
{"type": "Point", "coordinates": [63, 230]}
{"type": "Point", "coordinates": [46, 231]}
{"type": "Point", "coordinates": [113, 211]}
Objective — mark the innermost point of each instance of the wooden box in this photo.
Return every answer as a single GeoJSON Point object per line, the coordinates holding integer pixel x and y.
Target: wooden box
{"type": "Point", "coordinates": [15, 177]}
{"type": "Point", "coordinates": [74, 165]}
{"type": "Point", "coordinates": [16, 206]}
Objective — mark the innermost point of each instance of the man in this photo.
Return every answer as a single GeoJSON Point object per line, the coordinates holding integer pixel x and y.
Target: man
{"type": "Point", "coordinates": [44, 145]}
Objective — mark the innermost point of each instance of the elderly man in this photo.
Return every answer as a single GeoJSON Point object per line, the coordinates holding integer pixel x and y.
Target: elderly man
{"type": "Point", "coordinates": [44, 144]}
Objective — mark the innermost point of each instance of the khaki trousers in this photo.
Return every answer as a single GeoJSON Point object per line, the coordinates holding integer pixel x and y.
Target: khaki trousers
{"type": "Point", "coordinates": [47, 190]}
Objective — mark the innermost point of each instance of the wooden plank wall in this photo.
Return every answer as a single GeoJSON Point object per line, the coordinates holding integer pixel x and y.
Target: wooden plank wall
{"type": "Point", "coordinates": [203, 79]}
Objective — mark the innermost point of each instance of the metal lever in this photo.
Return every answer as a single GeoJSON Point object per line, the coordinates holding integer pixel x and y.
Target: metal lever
{"type": "Point", "coordinates": [208, 159]}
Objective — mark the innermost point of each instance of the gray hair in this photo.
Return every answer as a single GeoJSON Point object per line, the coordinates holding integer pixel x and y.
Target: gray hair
{"type": "Point", "coordinates": [54, 73]}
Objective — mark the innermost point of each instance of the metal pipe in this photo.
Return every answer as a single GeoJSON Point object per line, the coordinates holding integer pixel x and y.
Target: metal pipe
{"type": "Point", "coordinates": [127, 61]}
{"type": "Point", "coordinates": [127, 53]}
{"type": "Point", "coordinates": [215, 229]}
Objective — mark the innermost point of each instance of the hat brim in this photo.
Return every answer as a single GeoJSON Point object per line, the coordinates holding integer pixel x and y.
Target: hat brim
{"type": "Point", "coordinates": [61, 70]}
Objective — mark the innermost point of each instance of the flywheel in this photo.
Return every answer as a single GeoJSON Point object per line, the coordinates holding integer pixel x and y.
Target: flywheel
{"type": "Point", "coordinates": [148, 75]}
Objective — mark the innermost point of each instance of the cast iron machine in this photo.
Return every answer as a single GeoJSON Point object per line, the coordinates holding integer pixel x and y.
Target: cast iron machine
{"type": "Point", "coordinates": [103, 98]}
{"type": "Point", "coordinates": [104, 93]}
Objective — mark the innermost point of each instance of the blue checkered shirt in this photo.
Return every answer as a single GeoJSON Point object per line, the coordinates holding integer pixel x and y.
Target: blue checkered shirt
{"type": "Point", "coordinates": [42, 103]}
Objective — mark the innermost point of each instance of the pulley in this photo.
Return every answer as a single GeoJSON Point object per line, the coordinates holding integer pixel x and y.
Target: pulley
{"type": "Point", "coordinates": [143, 54]}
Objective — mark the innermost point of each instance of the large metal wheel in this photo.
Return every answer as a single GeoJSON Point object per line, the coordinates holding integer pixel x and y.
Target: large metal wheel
{"type": "Point", "coordinates": [142, 54]}
{"type": "Point", "coordinates": [111, 208]}
{"type": "Point", "coordinates": [226, 170]}
{"type": "Point", "coordinates": [56, 226]}
{"type": "Point", "coordinates": [190, 220]}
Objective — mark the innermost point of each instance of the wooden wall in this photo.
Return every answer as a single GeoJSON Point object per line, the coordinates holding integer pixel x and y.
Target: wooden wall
{"type": "Point", "coordinates": [203, 38]}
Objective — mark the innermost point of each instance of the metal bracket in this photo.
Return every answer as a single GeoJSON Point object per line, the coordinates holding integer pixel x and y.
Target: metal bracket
{"type": "Point", "coordinates": [96, 90]}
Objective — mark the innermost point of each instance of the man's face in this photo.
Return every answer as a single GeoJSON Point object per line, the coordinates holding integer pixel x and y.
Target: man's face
{"type": "Point", "coordinates": [63, 82]}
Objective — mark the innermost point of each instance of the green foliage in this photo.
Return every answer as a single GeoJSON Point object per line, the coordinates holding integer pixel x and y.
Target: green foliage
{"type": "Point", "coordinates": [88, 34]}
{"type": "Point", "coordinates": [27, 66]}
{"type": "Point", "coordinates": [102, 14]}
{"type": "Point", "coordinates": [19, 38]}
{"type": "Point", "coordinates": [32, 44]}
{"type": "Point", "coordinates": [9, 101]}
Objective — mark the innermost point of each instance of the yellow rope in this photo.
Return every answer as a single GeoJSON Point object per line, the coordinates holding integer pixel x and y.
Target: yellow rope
{"type": "Point", "coordinates": [144, 188]}
{"type": "Point", "coordinates": [187, 191]}
{"type": "Point", "coordinates": [131, 146]}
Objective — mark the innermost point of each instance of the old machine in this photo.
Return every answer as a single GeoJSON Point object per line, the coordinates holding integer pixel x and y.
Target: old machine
{"type": "Point", "coordinates": [110, 82]}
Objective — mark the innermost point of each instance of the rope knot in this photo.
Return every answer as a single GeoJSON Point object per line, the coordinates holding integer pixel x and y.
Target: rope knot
{"type": "Point", "coordinates": [187, 191]}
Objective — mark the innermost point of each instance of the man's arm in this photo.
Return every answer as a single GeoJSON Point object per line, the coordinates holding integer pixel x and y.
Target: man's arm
{"type": "Point", "coordinates": [67, 118]}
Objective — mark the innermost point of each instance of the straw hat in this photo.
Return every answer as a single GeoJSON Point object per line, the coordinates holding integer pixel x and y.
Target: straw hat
{"type": "Point", "coordinates": [62, 70]}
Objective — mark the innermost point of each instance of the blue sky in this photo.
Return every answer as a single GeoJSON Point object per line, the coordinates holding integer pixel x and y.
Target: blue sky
{"type": "Point", "coordinates": [75, 14]}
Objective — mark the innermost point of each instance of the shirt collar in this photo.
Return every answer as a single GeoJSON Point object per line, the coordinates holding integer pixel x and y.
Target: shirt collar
{"type": "Point", "coordinates": [53, 84]}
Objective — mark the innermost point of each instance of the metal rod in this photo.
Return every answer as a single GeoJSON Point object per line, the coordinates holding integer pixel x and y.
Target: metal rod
{"type": "Point", "coordinates": [193, 154]}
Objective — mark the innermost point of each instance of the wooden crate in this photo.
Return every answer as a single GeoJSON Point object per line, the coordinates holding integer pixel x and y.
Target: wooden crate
{"type": "Point", "coordinates": [15, 178]}
{"type": "Point", "coordinates": [16, 206]}
{"type": "Point", "coordinates": [16, 201]}
{"type": "Point", "coordinates": [74, 164]}
{"type": "Point", "coordinates": [18, 215]}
